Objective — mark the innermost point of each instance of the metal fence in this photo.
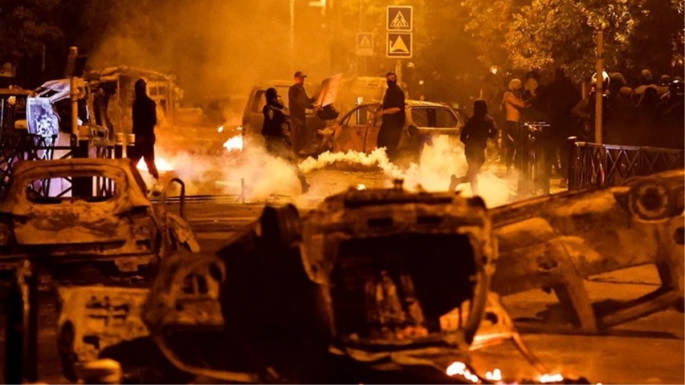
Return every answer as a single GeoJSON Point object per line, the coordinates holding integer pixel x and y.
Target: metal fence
{"type": "Point", "coordinates": [595, 165]}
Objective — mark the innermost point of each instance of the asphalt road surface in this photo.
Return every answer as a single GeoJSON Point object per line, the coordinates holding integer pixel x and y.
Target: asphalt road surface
{"type": "Point", "coordinates": [645, 351]}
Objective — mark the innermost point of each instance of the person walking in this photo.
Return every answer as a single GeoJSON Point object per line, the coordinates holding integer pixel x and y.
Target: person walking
{"type": "Point", "coordinates": [475, 134]}
{"type": "Point", "coordinates": [276, 132]}
{"type": "Point", "coordinates": [144, 115]}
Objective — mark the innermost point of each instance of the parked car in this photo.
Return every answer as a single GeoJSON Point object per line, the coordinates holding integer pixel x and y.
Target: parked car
{"type": "Point", "coordinates": [358, 129]}
{"type": "Point", "coordinates": [46, 211]}
{"type": "Point", "coordinates": [253, 119]}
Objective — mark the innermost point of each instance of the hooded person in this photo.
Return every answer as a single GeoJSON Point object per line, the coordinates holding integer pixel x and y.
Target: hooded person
{"type": "Point", "coordinates": [475, 134]}
{"type": "Point", "coordinates": [393, 117]}
{"type": "Point", "coordinates": [144, 114]}
{"type": "Point", "coordinates": [276, 132]}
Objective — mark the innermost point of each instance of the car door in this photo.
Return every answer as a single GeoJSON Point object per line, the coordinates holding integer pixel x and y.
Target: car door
{"type": "Point", "coordinates": [371, 136]}
{"type": "Point", "coordinates": [351, 132]}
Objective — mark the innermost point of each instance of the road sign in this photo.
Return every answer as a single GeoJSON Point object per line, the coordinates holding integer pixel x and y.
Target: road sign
{"type": "Point", "coordinates": [364, 44]}
{"type": "Point", "coordinates": [399, 45]}
{"type": "Point", "coordinates": [400, 18]}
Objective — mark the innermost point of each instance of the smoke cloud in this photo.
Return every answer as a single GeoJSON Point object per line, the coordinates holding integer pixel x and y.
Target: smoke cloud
{"type": "Point", "coordinates": [438, 162]}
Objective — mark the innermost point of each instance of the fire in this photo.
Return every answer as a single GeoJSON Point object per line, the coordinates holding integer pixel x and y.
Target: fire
{"type": "Point", "coordinates": [161, 163]}
{"type": "Point", "coordinates": [235, 143]}
{"type": "Point", "coordinates": [546, 378]}
{"type": "Point", "coordinates": [361, 187]}
{"type": "Point", "coordinates": [459, 368]}
{"type": "Point", "coordinates": [495, 375]}
{"type": "Point", "coordinates": [221, 129]}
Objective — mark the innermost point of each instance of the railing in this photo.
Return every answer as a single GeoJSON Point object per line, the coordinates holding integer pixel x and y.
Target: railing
{"type": "Point", "coordinates": [23, 146]}
{"type": "Point", "coordinates": [593, 165]}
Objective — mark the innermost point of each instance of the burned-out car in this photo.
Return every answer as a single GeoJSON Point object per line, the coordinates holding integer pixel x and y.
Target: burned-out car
{"type": "Point", "coordinates": [78, 210]}
{"type": "Point", "coordinates": [557, 242]}
{"type": "Point", "coordinates": [358, 129]}
{"type": "Point", "coordinates": [355, 292]}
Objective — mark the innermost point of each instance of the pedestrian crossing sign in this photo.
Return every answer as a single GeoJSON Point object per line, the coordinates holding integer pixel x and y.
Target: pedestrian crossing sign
{"type": "Point", "coordinates": [400, 18]}
{"type": "Point", "coordinates": [364, 44]}
{"type": "Point", "coordinates": [399, 45]}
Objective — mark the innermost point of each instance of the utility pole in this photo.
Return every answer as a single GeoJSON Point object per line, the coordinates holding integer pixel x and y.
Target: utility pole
{"type": "Point", "coordinates": [292, 34]}
{"type": "Point", "coordinates": [598, 86]}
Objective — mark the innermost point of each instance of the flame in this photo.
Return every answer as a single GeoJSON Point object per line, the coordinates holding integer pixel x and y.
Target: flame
{"type": "Point", "coordinates": [221, 129]}
{"type": "Point", "coordinates": [361, 187]}
{"type": "Point", "coordinates": [495, 375]}
{"type": "Point", "coordinates": [459, 368]}
{"type": "Point", "coordinates": [235, 143]}
{"type": "Point", "coordinates": [161, 163]}
{"type": "Point", "coordinates": [546, 378]}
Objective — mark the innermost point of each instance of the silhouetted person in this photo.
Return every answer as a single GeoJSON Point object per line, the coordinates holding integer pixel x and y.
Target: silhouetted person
{"type": "Point", "coordinates": [276, 132]}
{"type": "Point", "coordinates": [585, 110]}
{"type": "Point", "coordinates": [393, 116]}
{"type": "Point", "coordinates": [562, 97]}
{"type": "Point", "coordinates": [475, 135]}
{"type": "Point", "coordinates": [671, 117]}
{"type": "Point", "coordinates": [144, 122]}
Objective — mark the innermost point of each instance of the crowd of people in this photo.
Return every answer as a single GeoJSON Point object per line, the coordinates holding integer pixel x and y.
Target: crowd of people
{"type": "Point", "coordinates": [649, 113]}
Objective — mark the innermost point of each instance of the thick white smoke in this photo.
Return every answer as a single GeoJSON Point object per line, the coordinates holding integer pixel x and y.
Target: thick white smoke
{"type": "Point", "coordinates": [264, 176]}
{"type": "Point", "coordinates": [438, 162]}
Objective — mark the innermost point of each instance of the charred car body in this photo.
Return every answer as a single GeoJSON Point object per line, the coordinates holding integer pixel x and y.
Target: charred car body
{"type": "Point", "coordinates": [557, 242]}
{"type": "Point", "coordinates": [111, 220]}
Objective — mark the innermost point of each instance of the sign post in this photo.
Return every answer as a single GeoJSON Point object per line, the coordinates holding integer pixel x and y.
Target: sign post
{"type": "Point", "coordinates": [364, 44]}
{"type": "Point", "coordinates": [399, 26]}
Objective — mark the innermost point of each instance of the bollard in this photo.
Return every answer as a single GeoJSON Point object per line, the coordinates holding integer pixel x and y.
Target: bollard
{"type": "Point", "coordinates": [130, 146]}
{"type": "Point", "coordinates": [242, 190]}
{"type": "Point", "coordinates": [119, 146]}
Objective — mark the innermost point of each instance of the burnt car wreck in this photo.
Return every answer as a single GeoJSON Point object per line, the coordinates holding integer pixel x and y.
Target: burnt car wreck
{"type": "Point", "coordinates": [557, 242]}
{"type": "Point", "coordinates": [326, 299]}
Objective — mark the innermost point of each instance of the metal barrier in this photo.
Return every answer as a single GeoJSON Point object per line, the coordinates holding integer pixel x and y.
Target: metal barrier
{"type": "Point", "coordinates": [593, 165]}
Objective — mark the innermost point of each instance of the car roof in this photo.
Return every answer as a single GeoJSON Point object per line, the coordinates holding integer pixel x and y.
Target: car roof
{"type": "Point", "coordinates": [413, 103]}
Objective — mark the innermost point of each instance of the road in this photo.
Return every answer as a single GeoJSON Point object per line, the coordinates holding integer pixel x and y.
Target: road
{"type": "Point", "coordinates": [649, 350]}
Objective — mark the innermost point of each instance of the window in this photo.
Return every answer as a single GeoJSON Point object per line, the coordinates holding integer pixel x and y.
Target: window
{"type": "Point", "coordinates": [59, 190]}
{"type": "Point", "coordinates": [433, 117]}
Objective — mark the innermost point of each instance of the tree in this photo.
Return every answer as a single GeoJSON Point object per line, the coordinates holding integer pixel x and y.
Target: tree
{"type": "Point", "coordinates": [25, 26]}
{"type": "Point", "coordinates": [545, 34]}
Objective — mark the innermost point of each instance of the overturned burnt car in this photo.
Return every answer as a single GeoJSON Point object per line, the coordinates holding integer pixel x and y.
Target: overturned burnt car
{"type": "Point", "coordinates": [557, 242]}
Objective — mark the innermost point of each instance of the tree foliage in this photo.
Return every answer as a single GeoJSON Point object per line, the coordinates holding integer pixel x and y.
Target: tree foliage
{"type": "Point", "coordinates": [26, 26]}
{"type": "Point", "coordinates": [545, 34]}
